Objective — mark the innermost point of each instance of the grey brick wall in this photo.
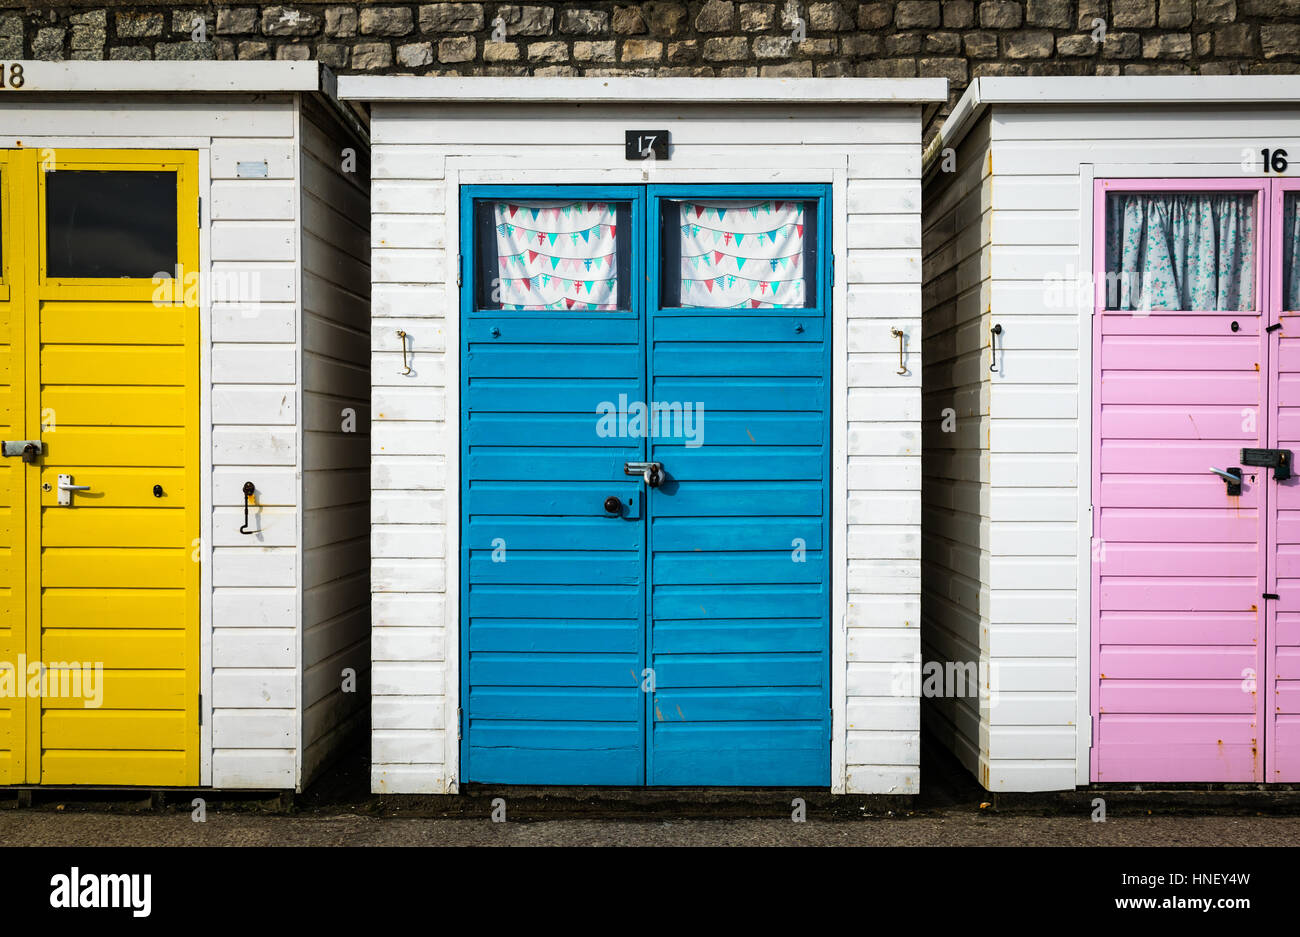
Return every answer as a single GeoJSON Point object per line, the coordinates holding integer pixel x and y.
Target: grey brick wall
{"type": "Point", "coordinates": [955, 39]}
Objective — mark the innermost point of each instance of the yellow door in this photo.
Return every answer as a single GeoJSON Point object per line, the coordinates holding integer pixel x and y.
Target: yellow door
{"type": "Point", "coordinates": [105, 244]}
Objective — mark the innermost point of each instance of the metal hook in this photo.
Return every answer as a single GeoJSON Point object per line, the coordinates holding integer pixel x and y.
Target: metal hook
{"type": "Point", "coordinates": [248, 493]}
{"type": "Point", "coordinates": [993, 347]}
{"type": "Point", "coordinates": [406, 367]}
{"type": "Point", "coordinates": [898, 334]}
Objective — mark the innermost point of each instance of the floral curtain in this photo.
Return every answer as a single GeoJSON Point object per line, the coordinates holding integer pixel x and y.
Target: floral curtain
{"type": "Point", "coordinates": [1291, 252]}
{"type": "Point", "coordinates": [742, 254]}
{"type": "Point", "coordinates": [1180, 251]}
{"type": "Point", "coordinates": [556, 255]}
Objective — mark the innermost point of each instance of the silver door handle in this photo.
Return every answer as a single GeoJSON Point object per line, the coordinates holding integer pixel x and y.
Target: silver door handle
{"type": "Point", "coordinates": [1226, 476]}
{"type": "Point", "coordinates": [66, 488]}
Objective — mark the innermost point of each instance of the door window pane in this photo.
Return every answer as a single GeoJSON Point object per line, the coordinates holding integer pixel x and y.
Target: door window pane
{"type": "Point", "coordinates": [553, 255]}
{"type": "Point", "coordinates": [739, 254]}
{"type": "Point", "coordinates": [110, 223]}
{"type": "Point", "coordinates": [1180, 251]}
{"type": "Point", "coordinates": [1290, 251]}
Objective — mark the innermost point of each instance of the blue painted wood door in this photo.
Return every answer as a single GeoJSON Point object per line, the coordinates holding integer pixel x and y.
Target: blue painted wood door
{"type": "Point", "coordinates": [684, 638]}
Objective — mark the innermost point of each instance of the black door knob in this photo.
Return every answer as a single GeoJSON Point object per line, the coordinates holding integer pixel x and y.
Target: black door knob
{"type": "Point", "coordinates": [157, 491]}
{"type": "Point", "coordinates": [613, 505]}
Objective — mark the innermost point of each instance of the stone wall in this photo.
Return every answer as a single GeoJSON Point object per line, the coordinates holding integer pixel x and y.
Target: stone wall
{"type": "Point", "coordinates": [955, 39]}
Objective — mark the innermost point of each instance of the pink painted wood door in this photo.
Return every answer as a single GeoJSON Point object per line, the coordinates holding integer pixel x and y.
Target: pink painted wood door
{"type": "Point", "coordinates": [1280, 688]}
{"type": "Point", "coordinates": [1179, 563]}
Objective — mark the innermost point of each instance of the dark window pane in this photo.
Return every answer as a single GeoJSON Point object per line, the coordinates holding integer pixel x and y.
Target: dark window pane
{"type": "Point", "coordinates": [1290, 250]}
{"type": "Point", "coordinates": [110, 223]}
{"type": "Point", "coordinates": [739, 254]}
{"type": "Point", "coordinates": [561, 255]}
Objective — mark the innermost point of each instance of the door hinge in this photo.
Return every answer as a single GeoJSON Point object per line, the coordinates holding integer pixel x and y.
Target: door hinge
{"type": "Point", "coordinates": [459, 720]}
{"type": "Point", "coordinates": [1271, 595]}
{"type": "Point", "coordinates": [200, 709]}
{"type": "Point", "coordinates": [200, 211]}
{"type": "Point", "coordinates": [460, 269]}
{"type": "Point", "coordinates": [1274, 327]}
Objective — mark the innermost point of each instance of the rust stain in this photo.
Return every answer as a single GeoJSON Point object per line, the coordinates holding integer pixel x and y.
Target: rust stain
{"type": "Point", "coordinates": [679, 712]}
{"type": "Point", "coordinates": [658, 714]}
{"type": "Point", "coordinates": [750, 435]}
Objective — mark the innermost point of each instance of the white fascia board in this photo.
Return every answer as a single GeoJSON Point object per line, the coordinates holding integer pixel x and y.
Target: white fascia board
{"type": "Point", "coordinates": [1108, 90]}
{"type": "Point", "coordinates": [163, 77]}
{"type": "Point", "coordinates": [394, 88]}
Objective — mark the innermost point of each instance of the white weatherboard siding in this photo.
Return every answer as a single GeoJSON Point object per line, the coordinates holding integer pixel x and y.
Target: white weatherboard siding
{"type": "Point", "coordinates": [1044, 159]}
{"type": "Point", "coordinates": [336, 435]}
{"type": "Point", "coordinates": [422, 153]}
{"type": "Point", "coordinates": [955, 544]}
{"type": "Point", "coordinates": [252, 403]}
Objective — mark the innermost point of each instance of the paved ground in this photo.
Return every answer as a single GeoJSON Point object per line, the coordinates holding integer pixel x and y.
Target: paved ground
{"type": "Point", "coordinates": [44, 828]}
{"type": "Point", "coordinates": [951, 811]}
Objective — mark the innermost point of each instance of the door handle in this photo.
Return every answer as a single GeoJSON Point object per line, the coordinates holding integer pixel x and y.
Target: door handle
{"type": "Point", "coordinates": [1231, 476]}
{"type": "Point", "coordinates": [652, 473]}
{"type": "Point", "coordinates": [66, 488]}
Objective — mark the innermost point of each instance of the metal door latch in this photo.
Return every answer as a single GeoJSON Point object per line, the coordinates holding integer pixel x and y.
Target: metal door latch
{"type": "Point", "coordinates": [66, 488]}
{"type": "Point", "coordinates": [1279, 460]}
{"type": "Point", "coordinates": [248, 491]}
{"type": "Point", "coordinates": [29, 450]}
{"type": "Point", "coordinates": [652, 473]}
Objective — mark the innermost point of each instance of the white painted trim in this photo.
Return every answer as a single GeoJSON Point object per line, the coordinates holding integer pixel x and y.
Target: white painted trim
{"type": "Point", "coordinates": [1108, 91]}
{"type": "Point", "coordinates": [205, 468]}
{"type": "Point", "coordinates": [477, 170]}
{"type": "Point", "coordinates": [171, 77]}
{"type": "Point", "coordinates": [1083, 590]}
{"type": "Point", "coordinates": [300, 410]}
{"type": "Point", "coordinates": [839, 506]}
{"type": "Point", "coordinates": [642, 90]}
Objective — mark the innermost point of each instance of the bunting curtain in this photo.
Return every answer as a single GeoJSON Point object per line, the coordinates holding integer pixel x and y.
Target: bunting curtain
{"type": "Point", "coordinates": [1180, 251]}
{"type": "Point", "coordinates": [742, 254]}
{"type": "Point", "coordinates": [557, 255]}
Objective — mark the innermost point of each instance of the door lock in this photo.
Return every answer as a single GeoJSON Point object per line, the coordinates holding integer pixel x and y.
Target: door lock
{"type": "Point", "coordinates": [652, 473]}
{"type": "Point", "coordinates": [1279, 460]}
{"type": "Point", "coordinates": [29, 450]}
{"type": "Point", "coordinates": [613, 505]}
{"type": "Point", "coordinates": [66, 488]}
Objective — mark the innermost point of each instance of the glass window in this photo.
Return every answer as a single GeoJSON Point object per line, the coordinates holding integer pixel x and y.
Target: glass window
{"type": "Point", "coordinates": [1290, 250]}
{"type": "Point", "coordinates": [110, 223]}
{"type": "Point", "coordinates": [556, 255]}
{"type": "Point", "coordinates": [1180, 250]}
{"type": "Point", "coordinates": [739, 254]}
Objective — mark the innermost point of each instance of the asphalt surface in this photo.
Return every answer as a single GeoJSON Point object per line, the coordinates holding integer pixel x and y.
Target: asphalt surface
{"type": "Point", "coordinates": [42, 828]}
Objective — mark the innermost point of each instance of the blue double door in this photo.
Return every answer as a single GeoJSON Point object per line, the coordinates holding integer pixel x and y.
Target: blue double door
{"type": "Point", "coordinates": [645, 464]}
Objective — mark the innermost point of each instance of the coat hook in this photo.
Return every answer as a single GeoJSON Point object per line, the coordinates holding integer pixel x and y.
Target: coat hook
{"type": "Point", "coordinates": [248, 494]}
{"type": "Point", "coordinates": [898, 334]}
{"type": "Point", "coordinates": [993, 346]}
{"type": "Point", "coordinates": [406, 367]}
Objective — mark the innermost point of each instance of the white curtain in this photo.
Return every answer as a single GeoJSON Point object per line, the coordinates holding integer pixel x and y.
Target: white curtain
{"type": "Point", "coordinates": [556, 255]}
{"type": "Point", "coordinates": [742, 254]}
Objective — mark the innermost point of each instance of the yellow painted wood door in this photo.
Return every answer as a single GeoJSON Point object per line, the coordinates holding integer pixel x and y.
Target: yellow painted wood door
{"type": "Point", "coordinates": [108, 304]}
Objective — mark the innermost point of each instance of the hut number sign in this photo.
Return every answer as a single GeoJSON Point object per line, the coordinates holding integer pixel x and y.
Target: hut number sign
{"type": "Point", "coordinates": [646, 144]}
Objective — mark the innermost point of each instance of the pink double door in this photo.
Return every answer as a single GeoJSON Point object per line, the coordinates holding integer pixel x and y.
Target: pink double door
{"type": "Point", "coordinates": [1196, 577]}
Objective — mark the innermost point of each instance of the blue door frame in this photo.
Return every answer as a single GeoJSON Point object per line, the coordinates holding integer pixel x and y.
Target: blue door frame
{"type": "Point", "coordinates": [791, 746]}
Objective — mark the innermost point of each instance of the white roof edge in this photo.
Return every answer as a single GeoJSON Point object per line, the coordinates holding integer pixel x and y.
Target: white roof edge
{"type": "Point", "coordinates": [389, 88]}
{"type": "Point", "coordinates": [1110, 90]}
{"type": "Point", "coordinates": [108, 77]}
